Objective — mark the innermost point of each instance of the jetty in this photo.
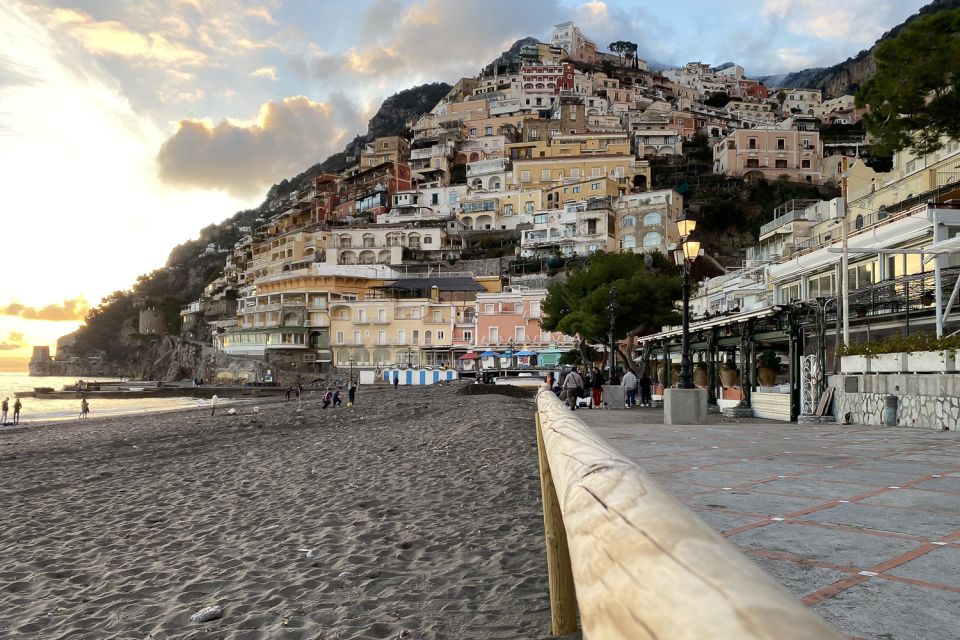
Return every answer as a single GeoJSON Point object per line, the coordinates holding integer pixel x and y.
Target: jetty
{"type": "Point", "coordinates": [150, 389]}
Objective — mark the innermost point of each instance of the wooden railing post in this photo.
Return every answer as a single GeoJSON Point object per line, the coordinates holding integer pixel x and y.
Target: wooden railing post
{"type": "Point", "coordinates": [563, 598]}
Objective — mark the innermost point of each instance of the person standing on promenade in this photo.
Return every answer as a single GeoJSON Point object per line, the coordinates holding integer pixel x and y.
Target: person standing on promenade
{"type": "Point", "coordinates": [337, 400]}
{"type": "Point", "coordinates": [17, 405]}
{"type": "Point", "coordinates": [213, 404]}
{"type": "Point", "coordinates": [646, 384]}
{"type": "Point", "coordinates": [396, 379]}
{"type": "Point", "coordinates": [573, 384]}
{"type": "Point", "coordinates": [84, 408]}
{"type": "Point", "coordinates": [596, 386]}
{"type": "Point", "coordinates": [352, 393]}
{"type": "Point", "coordinates": [3, 410]}
{"type": "Point", "coordinates": [629, 383]}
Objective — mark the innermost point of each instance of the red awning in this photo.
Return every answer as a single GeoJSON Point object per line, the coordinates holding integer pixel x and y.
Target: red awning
{"type": "Point", "coordinates": [468, 356]}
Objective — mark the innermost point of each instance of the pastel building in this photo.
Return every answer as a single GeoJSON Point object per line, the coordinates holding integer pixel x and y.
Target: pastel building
{"type": "Point", "coordinates": [575, 44]}
{"type": "Point", "coordinates": [510, 319]}
{"type": "Point", "coordinates": [770, 153]}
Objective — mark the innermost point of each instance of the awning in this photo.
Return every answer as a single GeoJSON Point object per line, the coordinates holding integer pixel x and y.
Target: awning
{"type": "Point", "coordinates": [489, 354]}
{"type": "Point", "coordinates": [468, 356]}
{"type": "Point", "coordinates": [525, 353]}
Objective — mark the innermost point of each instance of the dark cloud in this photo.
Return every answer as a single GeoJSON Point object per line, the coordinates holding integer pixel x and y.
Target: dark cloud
{"type": "Point", "coordinates": [243, 159]}
{"type": "Point", "coordinates": [13, 342]}
{"type": "Point", "coordinates": [74, 309]}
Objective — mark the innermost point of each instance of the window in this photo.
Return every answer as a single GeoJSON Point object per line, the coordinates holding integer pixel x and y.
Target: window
{"type": "Point", "coordinates": [911, 166]}
{"type": "Point", "coordinates": [753, 163]}
{"type": "Point", "coordinates": [576, 189]}
{"type": "Point", "coordinates": [752, 143]}
{"type": "Point", "coordinates": [780, 164]}
{"type": "Point", "coordinates": [381, 315]}
{"type": "Point", "coordinates": [820, 286]}
{"type": "Point", "coordinates": [652, 218]}
{"type": "Point", "coordinates": [381, 337]}
{"type": "Point", "coordinates": [628, 242]}
{"type": "Point", "coordinates": [473, 132]}
{"type": "Point", "coordinates": [540, 218]}
{"type": "Point", "coordinates": [520, 334]}
{"type": "Point", "coordinates": [544, 175]}
{"type": "Point", "coordinates": [781, 143]}
{"type": "Point", "coordinates": [488, 309]}
{"type": "Point", "coordinates": [575, 172]}
{"type": "Point", "coordinates": [591, 226]}
{"type": "Point", "coordinates": [534, 309]}
{"type": "Point", "coordinates": [804, 164]}
{"type": "Point", "coordinates": [356, 337]}
{"type": "Point", "coordinates": [416, 337]}
{"type": "Point", "coordinates": [806, 143]}
{"type": "Point", "coordinates": [524, 176]}
{"type": "Point", "coordinates": [494, 335]}
{"type": "Point", "coordinates": [595, 172]}
{"type": "Point", "coordinates": [361, 315]}
{"type": "Point", "coordinates": [340, 339]}
{"type": "Point", "coordinates": [629, 221]}
{"type": "Point", "coordinates": [508, 209]}
{"type": "Point", "coordinates": [439, 335]}
{"type": "Point", "coordinates": [452, 197]}
{"type": "Point", "coordinates": [434, 198]}
{"type": "Point", "coordinates": [652, 239]}
{"type": "Point", "coordinates": [529, 207]}
{"type": "Point", "coordinates": [468, 335]}
{"type": "Point", "coordinates": [401, 337]}
{"type": "Point", "coordinates": [488, 131]}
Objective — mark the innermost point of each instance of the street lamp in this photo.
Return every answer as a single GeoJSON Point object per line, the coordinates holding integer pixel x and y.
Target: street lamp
{"type": "Point", "coordinates": [510, 351]}
{"type": "Point", "coordinates": [686, 253]}
{"type": "Point", "coordinates": [612, 309]}
{"type": "Point", "coordinates": [352, 361]}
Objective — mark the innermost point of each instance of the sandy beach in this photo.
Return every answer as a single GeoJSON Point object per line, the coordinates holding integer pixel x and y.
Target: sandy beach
{"type": "Point", "coordinates": [413, 515]}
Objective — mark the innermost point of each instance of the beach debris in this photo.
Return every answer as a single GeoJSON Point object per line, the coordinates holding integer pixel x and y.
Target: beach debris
{"type": "Point", "coordinates": [311, 553]}
{"type": "Point", "coordinates": [343, 575]}
{"type": "Point", "coordinates": [231, 411]}
{"type": "Point", "coordinates": [256, 409]}
{"type": "Point", "coordinates": [207, 614]}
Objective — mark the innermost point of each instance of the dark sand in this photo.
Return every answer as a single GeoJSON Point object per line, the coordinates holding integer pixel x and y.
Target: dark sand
{"type": "Point", "coordinates": [420, 509]}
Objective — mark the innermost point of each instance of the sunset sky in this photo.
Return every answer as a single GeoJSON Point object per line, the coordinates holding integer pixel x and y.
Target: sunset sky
{"type": "Point", "coordinates": [126, 127]}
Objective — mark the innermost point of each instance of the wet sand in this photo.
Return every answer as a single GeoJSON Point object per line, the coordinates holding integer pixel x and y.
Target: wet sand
{"type": "Point", "coordinates": [413, 515]}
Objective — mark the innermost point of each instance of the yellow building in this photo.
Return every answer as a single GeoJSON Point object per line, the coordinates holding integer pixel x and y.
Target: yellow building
{"type": "Point", "coordinates": [547, 163]}
{"type": "Point", "coordinates": [385, 149]}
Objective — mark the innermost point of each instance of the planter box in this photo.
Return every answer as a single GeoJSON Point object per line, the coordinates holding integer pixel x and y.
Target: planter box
{"type": "Point", "coordinates": [855, 364]}
{"type": "Point", "coordinates": [888, 363]}
{"type": "Point", "coordinates": [930, 361]}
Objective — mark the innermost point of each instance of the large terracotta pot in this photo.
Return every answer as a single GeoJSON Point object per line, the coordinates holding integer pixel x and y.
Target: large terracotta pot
{"type": "Point", "coordinates": [766, 377]}
{"type": "Point", "coordinates": [700, 376]}
{"type": "Point", "coordinates": [729, 376]}
{"type": "Point", "coordinates": [674, 373]}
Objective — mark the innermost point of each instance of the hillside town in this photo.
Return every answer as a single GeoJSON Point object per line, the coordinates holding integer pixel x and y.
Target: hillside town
{"type": "Point", "coordinates": [436, 247]}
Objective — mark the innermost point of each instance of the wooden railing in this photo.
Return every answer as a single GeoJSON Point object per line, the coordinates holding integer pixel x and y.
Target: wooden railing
{"type": "Point", "coordinates": [635, 562]}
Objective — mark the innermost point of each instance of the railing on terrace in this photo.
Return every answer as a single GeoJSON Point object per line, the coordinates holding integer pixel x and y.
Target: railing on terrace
{"type": "Point", "coordinates": [908, 295]}
{"type": "Point", "coordinates": [633, 560]}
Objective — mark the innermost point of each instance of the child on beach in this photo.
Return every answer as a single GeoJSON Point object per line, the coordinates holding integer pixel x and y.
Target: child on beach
{"type": "Point", "coordinates": [327, 397]}
{"type": "Point", "coordinates": [4, 409]}
{"type": "Point", "coordinates": [84, 408]}
{"type": "Point", "coordinates": [336, 398]}
{"type": "Point", "coordinates": [16, 411]}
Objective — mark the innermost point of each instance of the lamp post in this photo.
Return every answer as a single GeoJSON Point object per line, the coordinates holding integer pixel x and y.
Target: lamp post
{"type": "Point", "coordinates": [351, 369]}
{"type": "Point", "coordinates": [612, 308]}
{"type": "Point", "coordinates": [686, 253]}
{"type": "Point", "coordinates": [510, 351]}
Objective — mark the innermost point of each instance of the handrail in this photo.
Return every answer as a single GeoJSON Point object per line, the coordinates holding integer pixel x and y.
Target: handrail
{"type": "Point", "coordinates": [641, 565]}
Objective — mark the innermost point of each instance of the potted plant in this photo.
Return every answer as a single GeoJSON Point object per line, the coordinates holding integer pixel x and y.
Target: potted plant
{"type": "Point", "coordinates": [729, 376]}
{"type": "Point", "coordinates": [768, 366]}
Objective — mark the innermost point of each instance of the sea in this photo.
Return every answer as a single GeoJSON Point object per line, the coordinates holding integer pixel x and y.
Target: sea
{"type": "Point", "coordinates": [35, 410]}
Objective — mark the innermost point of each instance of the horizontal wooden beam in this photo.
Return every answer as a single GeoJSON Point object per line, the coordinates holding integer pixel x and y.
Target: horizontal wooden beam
{"type": "Point", "coordinates": [645, 566]}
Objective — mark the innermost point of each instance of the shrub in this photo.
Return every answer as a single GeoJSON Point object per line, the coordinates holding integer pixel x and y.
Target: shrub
{"type": "Point", "coordinates": [902, 344]}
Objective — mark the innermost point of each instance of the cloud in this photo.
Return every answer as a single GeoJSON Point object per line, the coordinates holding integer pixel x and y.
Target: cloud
{"type": "Point", "coordinates": [265, 72]}
{"type": "Point", "coordinates": [434, 39]}
{"type": "Point", "coordinates": [260, 12]}
{"type": "Point", "coordinates": [70, 310]}
{"type": "Point", "coordinates": [112, 37]}
{"type": "Point", "coordinates": [13, 342]}
{"type": "Point", "coordinates": [242, 158]}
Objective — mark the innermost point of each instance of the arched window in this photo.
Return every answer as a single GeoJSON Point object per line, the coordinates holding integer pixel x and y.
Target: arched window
{"type": "Point", "coordinates": [652, 218]}
{"type": "Point", "coordinates": [859, 222]}
{"type": "Point", "coordinates": [629, 221]}
{"type": "Point", "coordinates": [651, 239]}
{"type": "Point", "coordinates": [629, 242]}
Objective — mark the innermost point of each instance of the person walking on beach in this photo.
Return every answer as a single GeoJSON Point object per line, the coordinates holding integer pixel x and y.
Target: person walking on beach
{"type": "Point", "coordinates": [572, 385]}
{"type": "Point", "coordinates": [396, 379]}
{"type": "Point", "coordinates": [629, 383]}
{"type": "Point", "coordinates": [337, 401]}
{"type": "Point", "coordinates": [645, 385]}
{"type": "Point", "coordinates": [327, 398]}
{"type": "Point", "coordinates": [84, 408]}
{"type": "Point", "coordinates": [596, 386]}
{"type": "Point", "coordinates": [3, 410]}
{"type": "Point", "coordinates": [213, 404]}
{"type": "Point", "coordinates": [16, 411]}
{"type": "Point", "coordinates": [286, 396]}
{"type": "Point", "coordinates": [351, 393]}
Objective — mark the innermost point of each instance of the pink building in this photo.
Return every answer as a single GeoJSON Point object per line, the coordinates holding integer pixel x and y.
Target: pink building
{"type": "Point", "coordinates": [512, 318]}
{"type": "Point", "coordinates": [770, 153]}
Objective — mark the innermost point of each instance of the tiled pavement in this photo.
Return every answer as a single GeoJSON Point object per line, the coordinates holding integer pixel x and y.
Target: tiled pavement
{"type": "Point", "coordinates": [861, 523]}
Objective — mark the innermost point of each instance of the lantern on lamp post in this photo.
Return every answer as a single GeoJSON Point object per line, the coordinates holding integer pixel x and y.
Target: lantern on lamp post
{"type": "Point", "coordinates": [686, 252]}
